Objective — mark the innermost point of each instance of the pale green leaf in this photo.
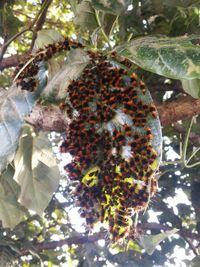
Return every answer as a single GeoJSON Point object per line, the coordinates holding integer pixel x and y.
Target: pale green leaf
{"type": "Point", "coordinates": [45, 37]}
{"type": "Point", "coordinates": [11, 213]}
{"type": "Point", "coordinates": [192, 87]}
{"type": "Point", "coordinates": [196, 262]}
{"type": "Point", "coordinates": [14, 106]}
{"type": "Point", "coordinates": [149, 242]}
{"type": "Point", "coordinates": [116, 7]}
{"type": "Point", "coordinates": [36, 171]}
{"type": "Point", "coordinates": [177, 57]}
{"type": "Point", "coordinates": [61, 77]}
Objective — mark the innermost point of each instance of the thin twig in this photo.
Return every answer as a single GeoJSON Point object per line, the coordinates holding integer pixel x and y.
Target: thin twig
{"type": "Point", "coordinates": [185, 144]}
{"type": "Point", "coordinates": [28, 28]}
{"type": "Point", "coordinates": [190, 245]}
{"type": "Point", "coordinates": [102, 30]}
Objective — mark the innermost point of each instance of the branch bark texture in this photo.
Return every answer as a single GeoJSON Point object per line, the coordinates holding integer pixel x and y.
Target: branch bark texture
{"type": "Point", "coordinates": [180, 109]}
{"type": "Point", "coordinates": [52, 119]}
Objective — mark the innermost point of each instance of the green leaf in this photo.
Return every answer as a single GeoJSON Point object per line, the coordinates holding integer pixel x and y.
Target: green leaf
{"type": "Point", "coordinates": [14, 106]}
{"type": "Point", "coordinates": [116, 7]}
{"type": "Point", "coordinates": [177, 57]}
{"type": "Point", "coordinates": [36, 170]}
{"type": "Point", "coordinates": [192, 87]}
{"type": "Point", "coordinates": [11, 213]}
{"type": "Point", "coordinates": [149, 242]}
{"type": "Point", "coordinates": [61, 75]}
{"type": "Point", "coordinates": [85, 16]}
{"type": "Point", "coordinates": [196, 262]}
{"type": "Point", "coordinates": [108, 21]}
{"type": "Point", "coordinates": [45, 37]}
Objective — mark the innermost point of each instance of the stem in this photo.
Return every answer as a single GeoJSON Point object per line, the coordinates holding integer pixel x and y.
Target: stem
{"type": "Point", "coordinates": [113, 26]}
{"type": "Point", "coordinates": [193, 165]}
{"type": "Point", "coordinates": [185, 145]}
{"type": "Point", "coordinates": [193, 154]}
{"type": "Point", "coordinates": [28, 28]}
{"type": "Point", "coordinates": [102, 30]}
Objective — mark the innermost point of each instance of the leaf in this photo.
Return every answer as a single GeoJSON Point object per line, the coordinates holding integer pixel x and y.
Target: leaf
{"type": "Point", "coordinates": [45, 37]}
{"type": "Point", "coordinates": [115, 7]}
{"type": "Point", "coordinates": [11, 213]}
{"type": "Point", "coordinates": [69, 70]}
{"type": "Point", "coordinates": [196, 262]}
{"type": "Point", "coordinates": [108, 21]}
{"type": "Point", "coordinates": [176, 57]}
{"type": "Point", "coordinates": [36, 170]}
{"type": "Point", "coordinates": [192, 87]}
{"type": "Point", "coordinates": [85, 16]}
{"type": "Point", "coordinates": [14, 106]}
{"type": "Point", "coordinates": [149, 242]}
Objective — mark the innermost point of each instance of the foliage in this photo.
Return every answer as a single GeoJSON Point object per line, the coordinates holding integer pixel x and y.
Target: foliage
{"type": "Point", "coordinates": [162, 40]}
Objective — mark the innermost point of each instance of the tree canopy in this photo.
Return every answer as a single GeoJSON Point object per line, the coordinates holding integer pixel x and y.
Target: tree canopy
{"type": "Point", "coordinates": [45, 47]}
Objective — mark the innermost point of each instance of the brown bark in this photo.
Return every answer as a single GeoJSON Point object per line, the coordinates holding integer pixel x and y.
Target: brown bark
{"type": "Point", "coordinates": [11, 61]}
{"type": "Point", "coordinates": [51, 118]}
{"type": "Point", "coordinates": [180, 109]}
{"type": "Point", "coordinates": [48, 118]}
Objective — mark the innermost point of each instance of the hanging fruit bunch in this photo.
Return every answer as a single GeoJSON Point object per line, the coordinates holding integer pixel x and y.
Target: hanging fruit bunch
{"type": "Point", "coordinates": [113, 137]}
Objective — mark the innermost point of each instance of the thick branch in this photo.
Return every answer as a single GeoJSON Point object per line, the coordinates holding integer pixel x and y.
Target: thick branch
{"type": "Point", "coordinates": [11, 61]}
{"type": "Point", "coordinates": [180, 109]}
{"type": "Point", "coordinates": [48, 118]}
{"type": "Point", "coordinates": [40, 22]}
{"type": "Point", "coordinates": [51, 118]}
{"type": "Point", "coordinates": [77, 240]}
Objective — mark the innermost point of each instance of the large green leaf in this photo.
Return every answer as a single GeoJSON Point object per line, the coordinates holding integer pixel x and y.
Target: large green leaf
{"type": "Point", "coordinates": [149, 242]}
{"type": "Point", "coordinates": [177, 57]}
{"type": "Point", "coordinates": [11, 213]}
{"type": "Point", "coordinates": [116, 7]}
{"type": "Point", "coordinates": [14, 106]}
{"type": "Point", "coordinates": [85, 16]}
{"type": "Point", "coordinates": [60, 75]}
{"type": "Point", "coordinates": [36, 170]}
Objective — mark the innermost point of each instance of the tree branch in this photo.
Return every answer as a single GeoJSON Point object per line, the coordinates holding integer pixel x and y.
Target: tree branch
{"type": "Point", "coordinates": [11, 61]}
{"type": "Point", "coordinates": [182, 232]}
{"type": "Point", "coordinates": [180, 109]}
{"type": "Point", "coordinates": [52, 119]}
{"type": "Point", "coordinates": [27, 28]}
{"type": "Point", "coordinates": [77, 240]}
{"type": "Point", "coordinates": [48, 118]}
{"type": "Point", "coordinates": [40, 21]}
